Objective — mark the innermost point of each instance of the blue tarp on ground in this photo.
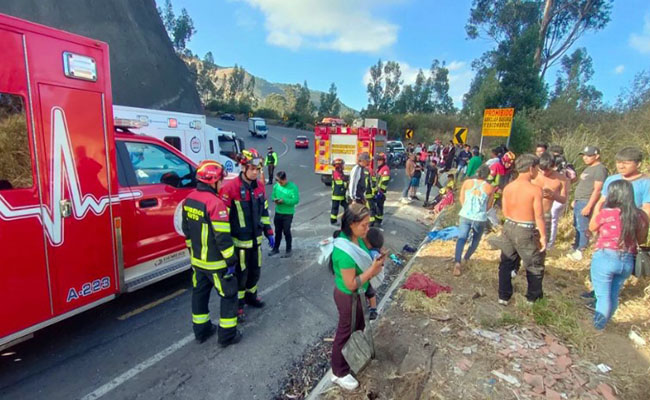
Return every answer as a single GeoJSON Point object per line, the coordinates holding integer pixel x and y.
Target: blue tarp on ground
{"type": "Point", "coordinates": [450, 233]}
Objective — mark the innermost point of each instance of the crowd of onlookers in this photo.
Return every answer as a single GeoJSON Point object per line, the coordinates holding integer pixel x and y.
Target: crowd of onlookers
{"type": "Point", "coordinates": [533, 191]}
{"type": "Point", "coordinates": [610, 217]}
{"type": "Point", "coordinates": [524, 197]}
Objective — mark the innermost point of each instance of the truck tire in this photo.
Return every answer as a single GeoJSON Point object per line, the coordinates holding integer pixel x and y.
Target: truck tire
{"type": "Point", "coordinates": [326, 179]}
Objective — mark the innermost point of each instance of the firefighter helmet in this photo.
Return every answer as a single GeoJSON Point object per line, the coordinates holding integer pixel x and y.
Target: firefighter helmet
{"type": "Point", "coordinates": [251, 157]}
{"type": "Point", "coordinates": [210, 172]}
{"type": "Point", "coordinates": [338, 163]}
{"type": "Point", "coordinates": [508, 159]}
{"type": "Point", "coordinates": [381, 156]}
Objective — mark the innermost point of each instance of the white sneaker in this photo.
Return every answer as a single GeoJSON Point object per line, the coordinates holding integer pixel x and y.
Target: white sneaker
{"type": "Point", "coordinates": [513, 274]}
{"type": "Point", "coordinates": [503, 302]}
{"type": "Point", "coordinates": [576, 255]}
{"type": "Point", "coordinates": [348, 382]}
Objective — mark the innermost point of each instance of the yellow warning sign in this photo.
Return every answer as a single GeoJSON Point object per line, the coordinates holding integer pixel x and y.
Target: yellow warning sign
{"type": "Point", "coordinates": [460, 135]}
{"type": "Point", "coordinates": [409, 133]}
{"type": "Point", "coordinates": [497, 121]}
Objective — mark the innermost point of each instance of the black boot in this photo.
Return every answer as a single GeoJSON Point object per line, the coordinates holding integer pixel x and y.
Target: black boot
{"type": "Point", "coordinates": [233, 340]}
{"type": "Point", "coordinates": [203, 337]}
{"type": "Point", "coordinates": [254, 302]}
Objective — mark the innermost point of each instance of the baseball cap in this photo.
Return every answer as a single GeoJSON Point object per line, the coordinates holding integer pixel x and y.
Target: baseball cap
{"type": "Point", "coordinates": [590, 151]}
{"type": "Point", "coordinates": [364, 156]}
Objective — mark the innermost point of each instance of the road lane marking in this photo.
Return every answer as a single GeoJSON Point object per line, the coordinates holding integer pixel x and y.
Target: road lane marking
{"type": "Point", "coordinates": [156, 358]}
{"type": "Point", "coordinates": [151, 305]}
{"type": "Point", "coordinates": [286, 147]}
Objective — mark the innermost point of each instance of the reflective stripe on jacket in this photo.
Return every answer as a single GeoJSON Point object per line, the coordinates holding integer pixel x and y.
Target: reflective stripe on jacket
{"type": "Point", "coordinates": [248, 211]}
{"type": "Point", "coordinates": [207, 230]}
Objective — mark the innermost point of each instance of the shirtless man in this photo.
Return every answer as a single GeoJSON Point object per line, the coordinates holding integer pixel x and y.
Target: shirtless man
{"type": "Point", "coordinates": [554, 188]}
{"type": "Point", "coordinates": [524, 231]}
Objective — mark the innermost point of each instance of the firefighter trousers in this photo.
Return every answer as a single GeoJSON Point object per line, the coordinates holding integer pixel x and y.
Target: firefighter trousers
{"type": "Point", "coordinates": [335, 209]}
{"type": "Point", "coordinates": [203, 281]}
{"type": "Point", "coordinates": [379, 209]}
{"type": "Point", "coordinates": [271, 171]}
{"type": "Point", "coordinates": [371, 205]}
{"type": "Point", "coordinates": [248, 273]}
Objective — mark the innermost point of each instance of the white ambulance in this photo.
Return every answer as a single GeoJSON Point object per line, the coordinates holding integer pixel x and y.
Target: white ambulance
{"type": "Point", "coordinates": [188, 133]}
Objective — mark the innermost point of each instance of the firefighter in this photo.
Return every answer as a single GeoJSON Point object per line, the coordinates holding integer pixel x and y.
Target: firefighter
{"type": "Point", "coordinates": [271, 162]}
{"type": "Point", "coordinates": [383, 177]}
{"type": "Point", "coordinates": [249, 221]}
{"type": "Point", "coordinates": [360, 187]}
{"type": "Point", "coordinates": [207, 234]}
{"type": "Point", "coordinates": [339, 186]}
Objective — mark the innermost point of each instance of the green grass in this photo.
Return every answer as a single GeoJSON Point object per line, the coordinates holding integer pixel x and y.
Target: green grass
{"type": "Point", "coordinates": [561, 316]}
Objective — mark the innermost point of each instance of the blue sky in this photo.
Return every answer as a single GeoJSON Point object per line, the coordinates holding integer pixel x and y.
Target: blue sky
{"type": "Point", "coordinates": [325, 41]}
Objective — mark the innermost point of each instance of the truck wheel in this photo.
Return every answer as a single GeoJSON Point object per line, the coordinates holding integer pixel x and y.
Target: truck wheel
{"type": "Point", "coordinates": [326, 179]}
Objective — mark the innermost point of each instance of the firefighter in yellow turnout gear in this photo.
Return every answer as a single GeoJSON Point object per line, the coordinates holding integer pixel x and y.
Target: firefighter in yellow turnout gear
{"type": "Point", "coordinates": [207, 234]}
{"type": "Point", "coordinates": [339, 187]}
{"type": "Point", "coordinates": [382, 178]}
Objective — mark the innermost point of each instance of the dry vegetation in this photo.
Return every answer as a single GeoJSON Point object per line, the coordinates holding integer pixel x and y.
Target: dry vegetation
{"type": "Point", "coordinates": [15, 163]}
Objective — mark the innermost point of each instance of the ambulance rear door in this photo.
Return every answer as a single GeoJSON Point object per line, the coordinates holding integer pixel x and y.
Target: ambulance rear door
{"type": "Point", "coordinates": [72, 101]}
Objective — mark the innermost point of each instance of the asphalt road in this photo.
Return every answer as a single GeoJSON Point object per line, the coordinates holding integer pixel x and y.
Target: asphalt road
{"type": "Point", "coordinates": [141, 345]}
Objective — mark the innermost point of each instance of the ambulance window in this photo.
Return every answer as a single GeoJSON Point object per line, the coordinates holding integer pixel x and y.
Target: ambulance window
{"type": "Point", "coordinates": [175, 141]}
{"type": "Point", "coordinates": [154, 164]}
{"type": "Point", "coordinates": [211, 146]}
{"type": "Point", "coordinates": [228, 147]}
{"type": "Point", "coordinates": [15, 156]}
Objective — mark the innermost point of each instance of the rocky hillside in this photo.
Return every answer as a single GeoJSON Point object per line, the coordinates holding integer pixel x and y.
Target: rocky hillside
{"type": "Point", "coordinates": [263, 88]}
{"type": "Point", "coordinates": [145, 70]}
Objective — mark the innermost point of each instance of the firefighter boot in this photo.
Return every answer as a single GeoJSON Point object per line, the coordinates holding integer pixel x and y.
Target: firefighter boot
{"type": "Point", "coordinates": [254, 301]}
{"type": "Point", "coordinates": [207, 334]}
{"type": "Point", "coordinates": [233, 340]}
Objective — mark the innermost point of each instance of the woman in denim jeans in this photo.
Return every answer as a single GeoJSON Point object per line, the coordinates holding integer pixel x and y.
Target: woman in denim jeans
{"type": "Point", "coordinates": [620, 226]}
{"type": "Point", "coordinates": [475, 198]}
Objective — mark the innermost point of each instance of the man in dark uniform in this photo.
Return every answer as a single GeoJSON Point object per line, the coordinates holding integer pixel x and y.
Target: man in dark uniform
{"type": "Point", "coordinates": [207, 234]}
{"type": "Point", "coordinates": [271, 162]}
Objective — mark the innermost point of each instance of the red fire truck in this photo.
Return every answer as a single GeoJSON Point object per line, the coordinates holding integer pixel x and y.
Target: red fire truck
{"type": "Point", "coordinates": [88, 210]}
{"type": "Point", "coordinates": [333, 139]}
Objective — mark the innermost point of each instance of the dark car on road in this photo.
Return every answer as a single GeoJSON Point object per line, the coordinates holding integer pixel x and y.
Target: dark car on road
{"type": "Point", "coordinates": [302, 142]}
{"type": "Point", "coordinates": [229, 117]}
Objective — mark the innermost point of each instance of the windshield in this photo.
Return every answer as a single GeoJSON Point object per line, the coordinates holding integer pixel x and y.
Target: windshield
{"type": "Point", "coordinates": [302, 137]}
{"type": "Point", "coordinates": [260, 125]}
{"type": "Point", "coordinates": [395, 147]}
{"type": "Point", "coordinates": [228, 146]}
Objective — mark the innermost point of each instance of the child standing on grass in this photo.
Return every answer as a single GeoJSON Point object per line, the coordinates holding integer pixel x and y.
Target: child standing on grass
{"type": "Point", "coordinates": [620, 226]}
{"type": "Point", "coordinates": [374, 240]}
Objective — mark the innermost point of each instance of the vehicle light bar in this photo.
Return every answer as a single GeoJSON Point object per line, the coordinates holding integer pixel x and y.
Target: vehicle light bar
{"type": "Point", "coordinates": [172, 122]}
{"type": "Point", "coordinates": [127, 123]}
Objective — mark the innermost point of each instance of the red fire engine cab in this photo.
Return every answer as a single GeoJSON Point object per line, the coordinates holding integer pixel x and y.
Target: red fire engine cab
{"type": "Point", "coordinates": [333, 139]}
{"type": "Point", "coordinates": [87, 209]}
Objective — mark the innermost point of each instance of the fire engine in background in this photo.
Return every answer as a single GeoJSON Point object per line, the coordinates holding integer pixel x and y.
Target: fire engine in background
{"type": "Point", "coordinates": [188, 133]}
{"type": "Point", "coordinates": [87, 209]}
{"type": "Point", "coordinates": [333, 139]}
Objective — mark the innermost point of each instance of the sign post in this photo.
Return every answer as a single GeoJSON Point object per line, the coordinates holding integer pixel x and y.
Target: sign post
{"type": "Point", "coordinates": [497, 122]}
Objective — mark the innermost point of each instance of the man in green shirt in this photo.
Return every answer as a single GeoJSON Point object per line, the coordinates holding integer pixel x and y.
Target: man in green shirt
{"type": "Point", "coordinates": [285, 195]}
{"type": "Point", "coordinates": [474, 163]}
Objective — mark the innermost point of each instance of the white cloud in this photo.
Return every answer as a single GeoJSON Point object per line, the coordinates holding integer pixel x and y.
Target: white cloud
{"type": "Point", "coordinates": [341, 25]}
{"type": "Point", "coordinates": [641, 42]}
{"type": "Point", "coordinates": [460, 78]}
{"type": "Point", "coordinates": [619, 69]}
